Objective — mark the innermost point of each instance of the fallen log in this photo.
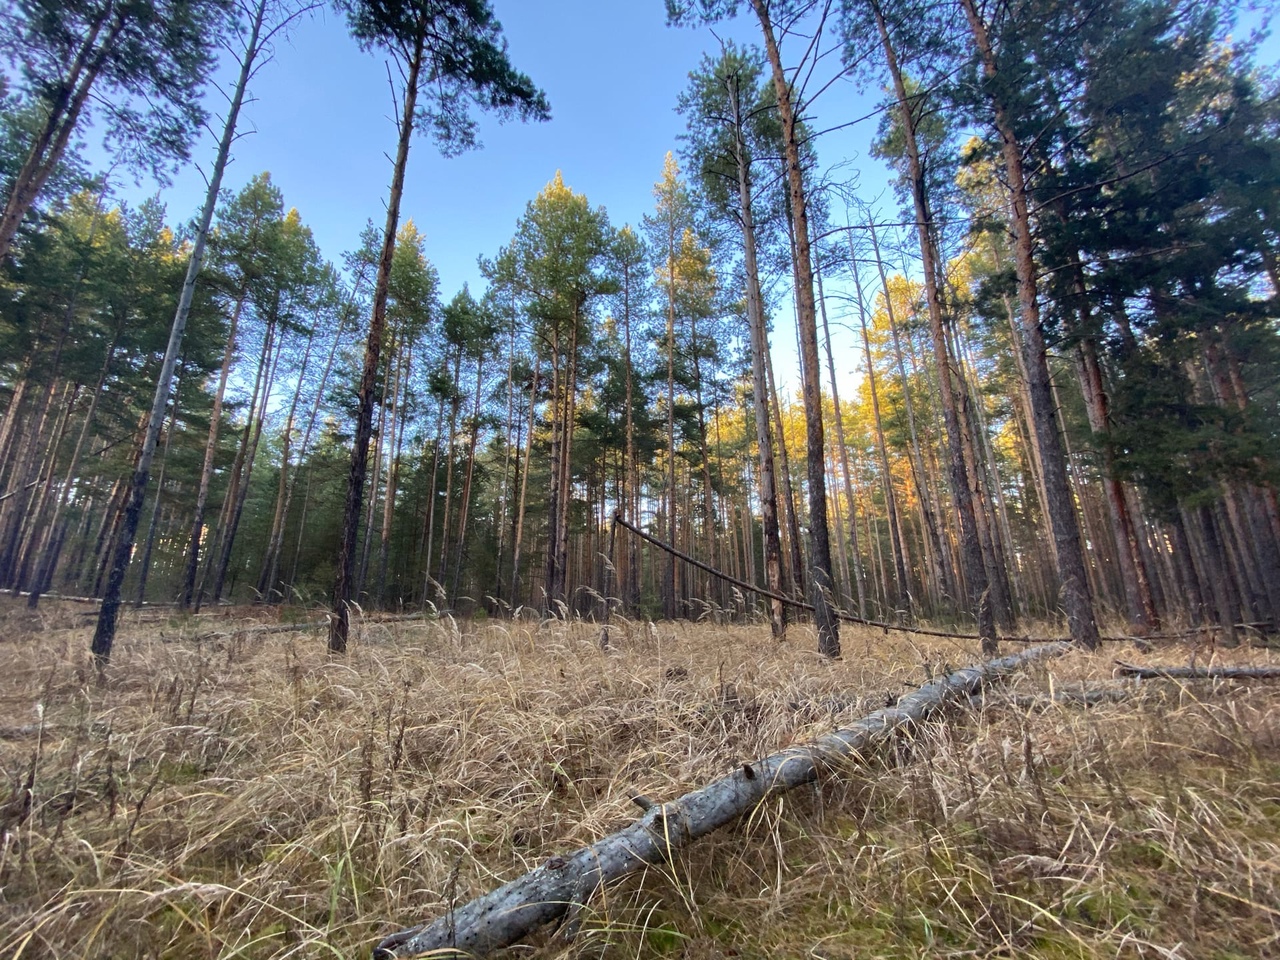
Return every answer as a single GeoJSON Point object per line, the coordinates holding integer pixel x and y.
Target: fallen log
{"type": "Point", "coordinates": [240, 632]}
{"type": "Point", "coordinates": [1196, 673]}
{"type": "Point", "coordinates": [561, 886]}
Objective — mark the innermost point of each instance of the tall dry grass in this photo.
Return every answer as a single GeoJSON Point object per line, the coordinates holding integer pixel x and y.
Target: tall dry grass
{"type": "Point", "coordinates": [248, 797]}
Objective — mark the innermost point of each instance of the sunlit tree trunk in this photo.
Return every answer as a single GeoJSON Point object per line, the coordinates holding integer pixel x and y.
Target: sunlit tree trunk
{"type": "Point", "coordinates": [819, 543]}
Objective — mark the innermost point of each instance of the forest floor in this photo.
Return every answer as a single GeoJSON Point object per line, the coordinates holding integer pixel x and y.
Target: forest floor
{"type": "Point", "coordinates": [218, 796]}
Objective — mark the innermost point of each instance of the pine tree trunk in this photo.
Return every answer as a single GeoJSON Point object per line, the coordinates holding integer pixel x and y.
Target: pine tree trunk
{"type": "Point", "coordinates": [465, 509]}
{"type": "Point", "coordinates": [509, 424]}
{"type": "Point", "coordinates": [274, 350]}
{"type": "Point", "coordinates": [231, 497]}
{"type": "Point", "coordinates": [517, 540]}
{"type": "Point", "coordinates": [374, 482]}
{"type": "Point", "coordinates": [669, 602]}
{"type": "Point", "coordinates": [1133, 574]}
{"type": "Point", "coordinates": [36, 523]}
{"type": "Point", "coordinates": [629, 497]}
{"type": "Point", "coordinates": [275, 539]}
{"type": "Point", "coordinates": [339, 622]}
{"type": "Point", "coordinates": [159, 495]}
{"type": "Point", "coordinates": [918, 467]}
{"type": "Point", "coordinates": [953, 390]}
{"type": "Point", "coordinates": [187, 596]}
{"type": "Point", "coordinates": [398, 415]}
{"type": "Point", "coordinates": [429, 526]}
{"type": "Point", "coordinates": [30, 455]}
{"type": "Point", "coordinates": [709, 529]}
{"type": "Point", "coordinates": [455, 402]}
{"type": "Point", "coordinates": [796, 572]}
{"type": "Point", "coordinates": [560, 544]}
{"type": "Point", "coordinates": [104, 633]}
{"type": "Point", "coordinates": [860, 591]}
{"type": "Point", "coordinates": [1072, 572]}
{"type": "Point", "coordinates": [821, 590]}
{"type": "Point", "coordinates": [49, 560]}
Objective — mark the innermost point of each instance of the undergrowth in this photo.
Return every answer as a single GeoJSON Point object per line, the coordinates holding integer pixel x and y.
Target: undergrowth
{"type": "Point", "coordinates": [218, 795]}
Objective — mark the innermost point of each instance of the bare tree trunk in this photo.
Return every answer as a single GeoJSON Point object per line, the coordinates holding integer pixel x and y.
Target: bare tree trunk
{"type": "Point", "coordinates": [455, 402]}
{"type": "Point", "coordinates": [105, 631]}
{"type": "Point", "coordinates": [339, 622]}
{"type": "Point", "coordinates": [629, 498]}
{"type": "Point", "coordinates": [709, 531]}
{"type": "Point", "coordinates": [669, 607]}
{"type": "Point", "coordinates": [159, 495]}
{"type": "Point", "coordinates": [49, 560]}
{"type": "Point", "coordinates": [1072, 573]}
{"type": "Point", "coordinates": [1133, 573]}
{"type": "Point", "coordinates": [405, 366]}
{"type": "Point", "coordinates": [517, 540]}
{"type": "Point", "coordinates": [465, 509]}
{"type": "Point", "coordinates": [36, 524]}
{"type": "Point", "coordinates": [563, 885]}
{"type": "Point", "coordinates": [953, 390]}
{"type": "Point", "coordinates": [919, 469]}
{"type": "Point", "coordinates": [796, 577]}
{"type": "Point", "coordinates": [429, 526]}
{"type": "Point", "coordinates": [371, 507]}
{"type": "Point", "coordinates": [560, 543]}
{"type": "Point", "coordinates": [274, 350]}
{"type": "Point", "coordinates": [504, 489]}
{"type": "Point", "coordinates": [187, 596]}
{"type": "Point", "coordinates": [860, 587]}
{"type": "Point", "coordinates": [819, 543]}
{"type": "Point", "coordinates": [269, 560]}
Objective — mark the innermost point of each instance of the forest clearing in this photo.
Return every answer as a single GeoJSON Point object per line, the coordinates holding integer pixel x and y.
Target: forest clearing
{"type": "Point", "coordinates": [253, 798]}
{"type": "Point", "coordinates": [860, 538]}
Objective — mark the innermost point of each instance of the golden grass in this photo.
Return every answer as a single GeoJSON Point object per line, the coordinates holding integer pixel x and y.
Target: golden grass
{"type": "Point", "coordinates": [251, 798]}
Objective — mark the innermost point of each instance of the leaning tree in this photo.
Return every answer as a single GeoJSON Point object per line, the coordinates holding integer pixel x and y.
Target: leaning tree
{"type": "Point", "coordinates": [451, 55]}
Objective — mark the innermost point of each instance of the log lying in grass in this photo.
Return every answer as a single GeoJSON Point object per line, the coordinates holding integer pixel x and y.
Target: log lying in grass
{"type": "Point", "coordinates": [561, 885]}
{"type": "Point", "coordinates": [1196, 673]}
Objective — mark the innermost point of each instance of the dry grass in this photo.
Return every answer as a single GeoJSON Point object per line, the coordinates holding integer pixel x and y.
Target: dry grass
{"type": "Point", "coordinates": [249, 798]}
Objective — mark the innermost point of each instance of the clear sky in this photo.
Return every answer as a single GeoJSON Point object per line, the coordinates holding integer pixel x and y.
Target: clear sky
{"type": "Point", "coordinates": [321, 123]}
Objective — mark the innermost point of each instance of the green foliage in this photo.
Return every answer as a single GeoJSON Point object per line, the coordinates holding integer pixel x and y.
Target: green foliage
{"type": "Point", "coordinates": [151, 57]}
{"type": "Point", "coordinates": [466, 62]}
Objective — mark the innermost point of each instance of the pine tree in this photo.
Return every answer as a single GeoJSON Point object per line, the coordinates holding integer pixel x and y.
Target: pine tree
{"type": "Point", "coordinates": [453, 56]}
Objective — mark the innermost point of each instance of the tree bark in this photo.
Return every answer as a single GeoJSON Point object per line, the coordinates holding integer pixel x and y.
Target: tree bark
{"type": "Point", "coordinates": [339, 621]}
{"type": "Point", "coordinates": [1068, 549]}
